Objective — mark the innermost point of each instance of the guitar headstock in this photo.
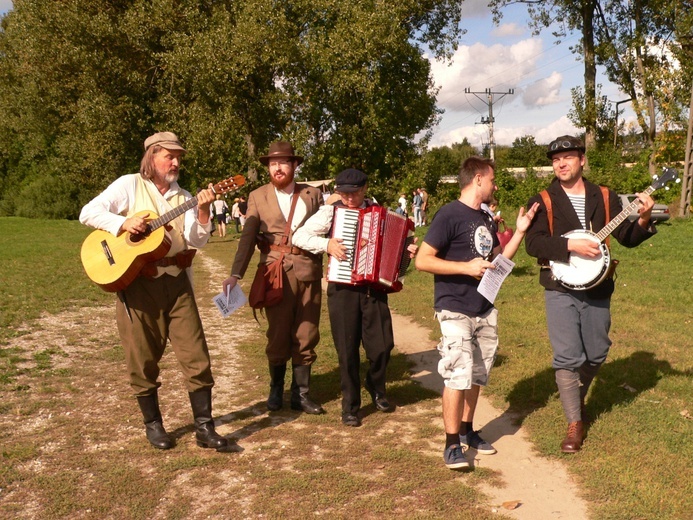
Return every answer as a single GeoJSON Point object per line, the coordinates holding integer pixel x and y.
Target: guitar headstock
{"type": "Point", "coordinates": [230, 184]}
{"type": "Point", "coordinates": [668, 175]}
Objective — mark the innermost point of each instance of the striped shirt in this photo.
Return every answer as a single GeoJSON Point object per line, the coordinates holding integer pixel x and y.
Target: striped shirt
{"type": "Point", "coordinates": [578, 202]}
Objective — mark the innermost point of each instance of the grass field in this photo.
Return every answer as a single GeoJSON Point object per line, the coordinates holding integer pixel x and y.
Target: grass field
{"type": "Point", "coordinates": [73, 445]}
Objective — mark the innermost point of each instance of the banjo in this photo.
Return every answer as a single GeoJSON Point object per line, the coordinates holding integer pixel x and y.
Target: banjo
{"type": "Point", "coordinates": [581, 273]}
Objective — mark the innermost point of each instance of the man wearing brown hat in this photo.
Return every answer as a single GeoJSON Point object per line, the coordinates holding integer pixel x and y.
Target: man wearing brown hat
{"type": "Point", "coordinates": [578, 318]}
{"type": "Point", "coordinates": [160, 305]}
{"type": "Point", "coordinates": [292, 332]}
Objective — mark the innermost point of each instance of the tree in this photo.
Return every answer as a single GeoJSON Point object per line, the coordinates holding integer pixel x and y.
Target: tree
{"type": "Point", "coordinates": [83, 82]}
{"type": "Point", "coordinates": [526, 153]}
{"type": "Point", "coordinates": [563, 17]}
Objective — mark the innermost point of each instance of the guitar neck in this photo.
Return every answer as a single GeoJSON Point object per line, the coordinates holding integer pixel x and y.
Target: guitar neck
{"type": "Point", "coordinates": [614, 223]}
{"type": "Point", "coordinates": [170, 215]}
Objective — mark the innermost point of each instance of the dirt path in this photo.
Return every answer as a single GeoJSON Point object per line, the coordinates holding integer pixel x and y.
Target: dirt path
{"type": "Point", "coordinates": [543, 486]}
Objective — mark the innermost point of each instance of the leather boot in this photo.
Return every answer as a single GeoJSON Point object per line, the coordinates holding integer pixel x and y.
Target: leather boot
{"type": "Point", "coordinates": [573, 439]}
{"type": "Point", "coordinates": [299, 391]}
{"type": "Point", "coordinates": [275, 401]}
{"type": "Point", "coordinates": [205, 434]}
{"type": "Point", "coordinates": [156, 434]}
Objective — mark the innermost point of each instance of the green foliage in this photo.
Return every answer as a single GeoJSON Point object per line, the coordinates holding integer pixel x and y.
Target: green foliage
{"type": "Point", "coordinates": [525, 153]}
{"type": "Point", "coordinates": [83, 82]}
{"type": "Point", "coordinates": [514, 191]}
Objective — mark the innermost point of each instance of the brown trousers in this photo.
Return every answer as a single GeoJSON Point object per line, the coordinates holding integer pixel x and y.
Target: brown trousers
{"type": "Point", "coordinates": [293, 333]}
{"type": "Point", "coordinates": [162, 308]}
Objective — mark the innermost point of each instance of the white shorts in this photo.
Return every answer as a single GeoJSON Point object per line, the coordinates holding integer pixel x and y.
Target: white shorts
{"type": "Point", "coordinates": [467, 349]}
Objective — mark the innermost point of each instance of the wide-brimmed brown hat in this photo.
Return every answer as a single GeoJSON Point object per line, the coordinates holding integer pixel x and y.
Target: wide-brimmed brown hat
{"type": "Point", "coordinates": [280, 149]}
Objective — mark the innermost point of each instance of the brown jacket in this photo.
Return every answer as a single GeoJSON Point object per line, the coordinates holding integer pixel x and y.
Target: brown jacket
{"type": "Point", "coordinates": [264, 217]}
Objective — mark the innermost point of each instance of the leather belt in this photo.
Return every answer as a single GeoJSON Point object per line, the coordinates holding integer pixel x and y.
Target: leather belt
{"type": "Point", "coordinates": [166, 261]}
{"type": "Point", "coordinates": [289, 250]}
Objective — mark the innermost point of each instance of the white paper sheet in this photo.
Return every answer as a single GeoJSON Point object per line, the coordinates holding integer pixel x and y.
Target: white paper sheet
{"type": "Point", "coordinates": [493, 278]}
{"type": "Point", "coordinates": [228, 303]}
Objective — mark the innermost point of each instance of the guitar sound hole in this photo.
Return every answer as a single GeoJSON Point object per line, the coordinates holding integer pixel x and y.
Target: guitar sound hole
{"type": "Point", "coordinates": [135, 239]}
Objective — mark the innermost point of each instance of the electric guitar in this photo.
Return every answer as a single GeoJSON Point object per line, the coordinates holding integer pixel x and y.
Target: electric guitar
{"type": "Point", "coordinates": [581, 273]}
{"type": "Point", "coordinates": [113, 262]}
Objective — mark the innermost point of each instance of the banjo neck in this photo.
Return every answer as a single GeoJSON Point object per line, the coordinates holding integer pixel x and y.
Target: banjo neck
{"type": "Point", "coordinates": [614, 223]}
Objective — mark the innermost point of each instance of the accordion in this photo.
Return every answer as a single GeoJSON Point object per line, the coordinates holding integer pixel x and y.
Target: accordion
{"type": "Point", "coordinates": [376, 240]}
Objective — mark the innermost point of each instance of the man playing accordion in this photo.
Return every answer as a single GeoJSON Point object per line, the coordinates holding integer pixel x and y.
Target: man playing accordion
{"type": "Point", "coordinates": [358, 313]}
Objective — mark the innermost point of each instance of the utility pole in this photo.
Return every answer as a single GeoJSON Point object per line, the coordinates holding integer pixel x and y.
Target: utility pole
{"type": "Point", "coordinates": [490, 120]}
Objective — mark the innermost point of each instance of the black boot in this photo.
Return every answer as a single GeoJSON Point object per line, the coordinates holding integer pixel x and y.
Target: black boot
{"type": "Point", "coordinates": [299, 391]}
{"type": "Point", "coordinates": [205, 435]}
{"type": "Point", "coordinates": [156, 435]}
{"type": "Point", "coordinates": [275, 401]}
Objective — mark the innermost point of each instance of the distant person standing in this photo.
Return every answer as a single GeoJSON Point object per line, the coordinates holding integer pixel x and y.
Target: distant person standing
{"type": "Point", "coordinates": [417, 201]}
{"type": "Point", "coordinates": [220, 210]}
{"type": "Point", "coordinates": [236, 214]}
{"type": "Point", "coordinates": [159, 306]}
{"type": "Point", "coordinates": [458, 249]}
{"type": "Point", "coordinates": [424, 206]}
{"type": "Point", "coordinates": [242, 210]}
{"type": "Point", "coordinates": [402, 201]}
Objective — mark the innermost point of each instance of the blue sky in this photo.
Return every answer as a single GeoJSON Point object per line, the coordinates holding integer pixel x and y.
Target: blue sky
{"type": "Point", "coordinates": [501, 58]}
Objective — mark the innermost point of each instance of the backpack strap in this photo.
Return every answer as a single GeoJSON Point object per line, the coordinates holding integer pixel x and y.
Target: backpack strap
{"type": "Point", "coordinates": [605, 194]}
{"type": "Point", "coordinates": [549, 210]}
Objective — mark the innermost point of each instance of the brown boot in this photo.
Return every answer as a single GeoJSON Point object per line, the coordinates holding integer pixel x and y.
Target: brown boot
{"type": "Point", "coordinates": [573, 439]}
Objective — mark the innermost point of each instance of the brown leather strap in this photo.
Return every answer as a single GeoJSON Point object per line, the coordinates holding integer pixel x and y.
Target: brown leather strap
{"type": "Point", "coordinates": [549, 210]}
{"type": "Point", "coordinates": [287, 230]}
{"type": "Point", "coordinates": [605, 194]}
{"type": "Point", "coordinates": [183, 260]}
{"type": "Point", "coordinates": [289, 250]}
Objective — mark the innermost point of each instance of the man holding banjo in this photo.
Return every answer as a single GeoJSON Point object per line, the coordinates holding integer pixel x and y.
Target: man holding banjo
{"type": "Point", "coordinates": [577, 308]}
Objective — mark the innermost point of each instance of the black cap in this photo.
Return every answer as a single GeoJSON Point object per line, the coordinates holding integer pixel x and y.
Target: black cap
{"type": "Point", "coordinates": [565, 143]}
{"type": "Point", "coordinates": [350, 180]}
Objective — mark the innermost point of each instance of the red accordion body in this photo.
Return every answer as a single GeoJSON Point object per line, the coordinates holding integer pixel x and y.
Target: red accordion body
{"type": "Point", "coordinates": [376, 240]}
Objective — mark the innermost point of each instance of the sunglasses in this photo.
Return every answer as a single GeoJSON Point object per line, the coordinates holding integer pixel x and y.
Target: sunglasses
{"type": "Point", "coordinates": [562, 144]}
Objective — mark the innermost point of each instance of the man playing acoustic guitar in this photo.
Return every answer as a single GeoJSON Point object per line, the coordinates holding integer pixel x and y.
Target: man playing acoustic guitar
{"type": "Point", "coordinates": [160, 305]}
{"type": "Point", "coordinates": [577, 314]}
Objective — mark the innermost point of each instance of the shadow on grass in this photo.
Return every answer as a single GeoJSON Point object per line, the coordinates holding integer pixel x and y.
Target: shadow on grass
{"type": "Point", "coordinates": [402, 390]}
{"type": "Point", "coordinates": [618, 382]}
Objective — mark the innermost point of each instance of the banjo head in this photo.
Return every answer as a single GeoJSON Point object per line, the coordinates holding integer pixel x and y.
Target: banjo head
{"type": "Point", "coordinates": [580, 272]}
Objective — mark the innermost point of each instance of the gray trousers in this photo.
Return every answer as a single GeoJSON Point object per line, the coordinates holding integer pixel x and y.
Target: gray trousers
{"type": "Point", "coordinates": [578, 328]}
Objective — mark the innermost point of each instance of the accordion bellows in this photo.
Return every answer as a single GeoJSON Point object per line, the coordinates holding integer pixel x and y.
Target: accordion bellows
{"type": "Point", "coordinates": [376, 239]}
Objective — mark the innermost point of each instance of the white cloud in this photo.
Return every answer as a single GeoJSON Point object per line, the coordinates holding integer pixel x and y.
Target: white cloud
{"type": "Point", "coordinates": [508, 30]}
{"type": "Point", "coordinates": [478, 67]}
{"type": "Point", "coordinates": [474, 9]}
{"type": "Point", "coordinates": [478, 135]}
{"type": "Point", "coordinates": [546, 91]}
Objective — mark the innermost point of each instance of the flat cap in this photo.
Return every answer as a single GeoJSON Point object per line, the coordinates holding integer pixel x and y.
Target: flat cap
{"type": "Point", "coordinates": [167, 140]}
{"type": "Point", "coordinates": [350, 180]}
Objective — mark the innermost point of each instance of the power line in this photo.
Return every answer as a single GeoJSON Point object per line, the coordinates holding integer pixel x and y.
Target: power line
{"type": "Point", "coordinates": [490, 120]}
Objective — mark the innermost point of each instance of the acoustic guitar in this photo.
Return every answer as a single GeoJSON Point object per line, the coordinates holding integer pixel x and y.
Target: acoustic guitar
{"type": "Point", "coordinates": [113, 262]}
{"type": "Point", "coordinates": [581, 273]}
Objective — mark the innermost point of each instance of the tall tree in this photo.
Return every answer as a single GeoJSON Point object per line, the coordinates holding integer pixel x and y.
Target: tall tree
{"type": "Point", "coordinates": [564, 17]}
{"type": "Point", "coordinates": [82, 82]}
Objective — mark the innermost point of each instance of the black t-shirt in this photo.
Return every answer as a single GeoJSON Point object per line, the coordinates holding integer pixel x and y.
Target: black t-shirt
{"type": "Point", "coordinates": [243, 207]}
{"type": "Point", "coordinates": [460, 233]}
